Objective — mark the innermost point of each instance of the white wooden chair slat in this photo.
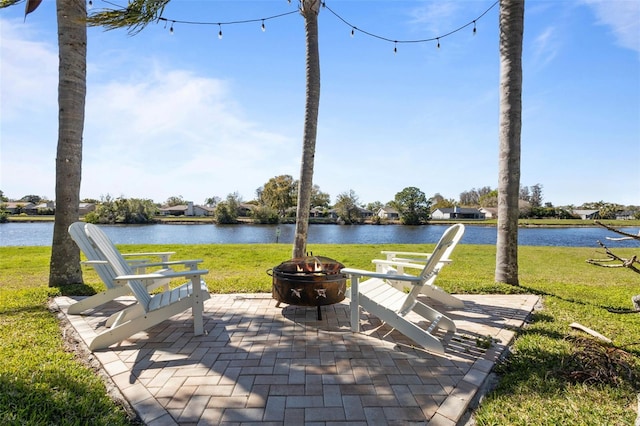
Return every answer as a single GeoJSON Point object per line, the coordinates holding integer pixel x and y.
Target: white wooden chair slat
{"type": "Point", "coordinates": [394, 262]}
{"type": "Point", "coordinates": [151, 309]}
{"type": "Point", "coordinates": [105, 271]}
{"type": "Point", "coordinates": [383, 293]}
{"type": "Point", "coordinates": [393, 305]}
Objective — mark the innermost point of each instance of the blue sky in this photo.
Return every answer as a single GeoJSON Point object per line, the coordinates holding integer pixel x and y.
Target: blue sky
{"type": "Point", "coordinates": [188, 114]}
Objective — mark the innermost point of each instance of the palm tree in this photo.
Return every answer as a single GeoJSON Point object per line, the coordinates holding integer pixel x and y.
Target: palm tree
{"type": "Point", "coordinates": [309, 10]}
{"type": "Point", "coordinates": [511, 31]}
{"type": "Point", "coordinates": [64, 267]}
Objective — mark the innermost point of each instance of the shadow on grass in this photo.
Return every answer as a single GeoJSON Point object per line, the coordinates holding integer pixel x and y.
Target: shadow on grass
{"type": "Point", "coordinates": [76, 290]}
{"type": "Point", "coordinates": [612, 309]}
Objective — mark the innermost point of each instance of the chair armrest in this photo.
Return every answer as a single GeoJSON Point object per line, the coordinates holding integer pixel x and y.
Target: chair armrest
{"type": "Point", "coordinates": [94, 262]}
{"type": "Point", "coordinates": [398, 256]}
{"type": "Point", "coordinates": [163, 255]}
{"type": "Point", "coordinates": [155, 276]}
{"type": "Point", "coordinates": [405, 253]}
{"type": "Point", "coordinates": [191, 263]}
{"type": "Point", "coordinates": [365, 273]}
{"type": "Point", "coordinates": [398, 263]}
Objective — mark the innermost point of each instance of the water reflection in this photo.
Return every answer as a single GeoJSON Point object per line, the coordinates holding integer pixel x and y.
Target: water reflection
{"type": "Point", "coordinates": [40, 234]}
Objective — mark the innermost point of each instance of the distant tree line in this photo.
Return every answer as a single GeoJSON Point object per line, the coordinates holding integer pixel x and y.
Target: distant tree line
{"type": "Point", "coordinates": [276, 200]}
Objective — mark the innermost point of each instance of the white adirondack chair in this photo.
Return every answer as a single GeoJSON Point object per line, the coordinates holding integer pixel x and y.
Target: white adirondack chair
{"type": "Point", "coordinates": [107, 273]}
{"type": "Point", "coordinates": [393, 305]}
{"type": "Point", "coordinates": [151, 309]}
{"type": "Point", "coordinates": [397, 261]}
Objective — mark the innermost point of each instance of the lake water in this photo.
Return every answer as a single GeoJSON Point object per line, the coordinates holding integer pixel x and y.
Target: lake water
{"type": "Point", "coordinates": [41, 234]}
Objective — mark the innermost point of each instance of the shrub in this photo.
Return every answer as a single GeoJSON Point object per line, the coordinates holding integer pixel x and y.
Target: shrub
{"type": "Point", "coordinates": [265, 215]}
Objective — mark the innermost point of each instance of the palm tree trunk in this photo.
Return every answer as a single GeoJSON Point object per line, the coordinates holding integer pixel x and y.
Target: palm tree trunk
{"type": "Point", "coordinates": [511, 32]}
{"type": "Point", "coordinates": [310, 10]}
{"type": "Point", "coordinates": [64, 267]}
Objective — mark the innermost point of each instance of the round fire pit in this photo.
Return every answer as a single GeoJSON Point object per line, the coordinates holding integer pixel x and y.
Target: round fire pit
{"type": "Point", "coordinates": [309, 281]}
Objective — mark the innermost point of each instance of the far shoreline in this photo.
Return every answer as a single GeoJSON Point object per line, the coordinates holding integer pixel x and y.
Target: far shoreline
{"type": "Point", "coordinates": [522, 223]}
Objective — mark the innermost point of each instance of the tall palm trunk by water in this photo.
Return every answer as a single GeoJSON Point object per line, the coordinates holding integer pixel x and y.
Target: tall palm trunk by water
{"type": "Point", "coordinates": [310, 10]}
{"type": "Point", "coordinates": [511, 32]}
{"type": "Point", "coordinates": [72, 42]}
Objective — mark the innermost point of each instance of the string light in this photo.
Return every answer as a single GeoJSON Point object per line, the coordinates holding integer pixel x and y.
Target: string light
{"type": "Point", "coordinates": [324, 5]}
{"type": "Point", "coordinates": [219, 24]}
{"type": "Point", "coordinates": [425, 40]}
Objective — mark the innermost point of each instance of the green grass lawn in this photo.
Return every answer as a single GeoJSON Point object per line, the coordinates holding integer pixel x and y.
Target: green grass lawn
{"type": "Point", "coordinates": [553, 376]}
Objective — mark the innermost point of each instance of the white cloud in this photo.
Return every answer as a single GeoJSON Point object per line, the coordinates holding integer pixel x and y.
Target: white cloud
{"type": "Point", "coordinates": [545, 47]}
{"type": "Point", "coordinates": [435, 17]}
{"type": "Point", "coordinates": [29, 71]}
{"type": "Point", "coordinates": [152, 131]}
{"type": "Point", "coordinates": [28, 111]}
{"type": "Point", "coordinates": [175, 133]}
{"type": "Point", "coordinates": [623, 17]}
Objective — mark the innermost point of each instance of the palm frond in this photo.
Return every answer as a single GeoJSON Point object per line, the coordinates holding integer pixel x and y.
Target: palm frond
{"type": "Point", "coordinates": [7, 3]}
{"type": "Point", "coordinates": [136, 16]}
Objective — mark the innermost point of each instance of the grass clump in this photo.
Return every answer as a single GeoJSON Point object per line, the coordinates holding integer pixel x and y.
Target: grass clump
{"type": "Point", "coordinates": [554, 375]}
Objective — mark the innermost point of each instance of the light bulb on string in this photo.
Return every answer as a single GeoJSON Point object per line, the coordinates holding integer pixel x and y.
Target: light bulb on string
{"type": "Point", "coordinates": [89, 4]}
{"type": "Point", "coordinates": [354, 28]}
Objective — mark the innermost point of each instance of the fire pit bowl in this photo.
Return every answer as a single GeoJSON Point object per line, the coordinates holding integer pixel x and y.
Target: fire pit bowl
{"type": "Point", "coordinates": [309, 281]}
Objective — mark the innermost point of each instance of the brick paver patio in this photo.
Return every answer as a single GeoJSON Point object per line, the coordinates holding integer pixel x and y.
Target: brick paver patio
{"type": "Point", "coordinates": [262, 364]}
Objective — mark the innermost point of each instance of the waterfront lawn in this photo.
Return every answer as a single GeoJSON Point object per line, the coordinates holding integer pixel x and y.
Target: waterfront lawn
{"type": "Point", "coordinates": [42, 383]}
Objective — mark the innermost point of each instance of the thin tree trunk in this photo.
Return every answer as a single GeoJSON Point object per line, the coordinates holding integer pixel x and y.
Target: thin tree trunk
{"type": "Point", "coordinates": [72, 43]}
{"type": "Point", "coordinates": [511, 33]}
{"type": "Point", "coordinates": [310, 10]}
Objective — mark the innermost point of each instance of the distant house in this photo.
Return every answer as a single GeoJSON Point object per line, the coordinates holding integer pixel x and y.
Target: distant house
{"type": "Point", "coordinates": [364, 213]}
{"type": "Point", "coordinates": [85, 208]}
{"type": "Point", "coordinates": [188, 209]}
{"type": "Point", "coordinates": [18, 207]}
{"type": "Point", "coordinates": [317, 212]}
{"type": "Point", "coordinates": [625, 215]}
{"type": "Point", "coordinates": [178, 210]}
{"type": "Point", "coordinates": [245, 209]}
{"type": "Point", "coordinates": [489, 212]}
{"type": "Point", "coordinates": [457, 213]}
{"type": "Point", "coordinates": [46, 207]}
{"type": "Point", "coordinates": [389, 213]}
{"type": "Point", "coordinates": [587, 214]}
{"type": "Point", "coordinates": [361, 213]}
